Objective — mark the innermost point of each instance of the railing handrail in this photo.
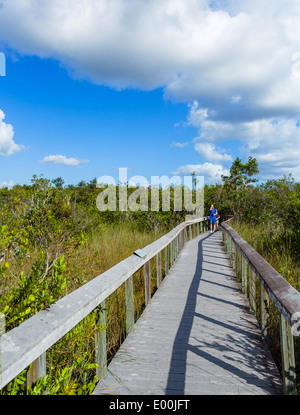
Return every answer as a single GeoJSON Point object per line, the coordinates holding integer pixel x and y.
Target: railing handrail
{"type": "Point", "coordinates": [285, 297]}
{"type": "Point", "coordinates": [24, 344]}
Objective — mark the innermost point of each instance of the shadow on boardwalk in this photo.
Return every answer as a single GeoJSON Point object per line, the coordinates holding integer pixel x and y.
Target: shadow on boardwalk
{"type": "Point", "coordinates": [197, 336]}
{"type": "Point", "coordinates": [203, 348]}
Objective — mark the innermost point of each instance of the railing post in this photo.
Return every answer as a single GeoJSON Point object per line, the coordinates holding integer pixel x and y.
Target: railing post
{"type": "Point", "coordinates": [147, 283]}
{"type": "Point", "coordinates": [244, 275]}
{"type": "Point", "coordinates": [158, 269]}
{"type": "Point", "coordinates": [166, 260]}
{"type": "Point", "coordinates": [129, 304]}
{"type": "Point", "coordinates": [36, 370]}
{"type": "Point", "coordinates": [100, 344]}
{"type": "Point", "coordinates": [252, 293]}
{"type": "Point", "coordinates": [2, 331]}
{"type": "Point", "coordinates": [234, 254]}
{"type": "Point", "coordinates": [190, 230]}
{"type": "Point", "coordinates": [171, 253]}
{"type": "Point", "coordinates": [287, 358]}
{"type": "Point", "coordinates": [181, 239]}
{"type": "Point", "coordinates": [265, 314]}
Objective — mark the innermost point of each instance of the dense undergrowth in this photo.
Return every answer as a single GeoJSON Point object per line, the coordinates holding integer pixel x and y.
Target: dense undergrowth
{"type": "Point", "coordinates": [53, 239]}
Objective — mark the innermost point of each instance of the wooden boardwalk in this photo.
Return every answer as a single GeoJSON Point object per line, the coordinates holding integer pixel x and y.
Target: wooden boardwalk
{"type": "Point", "coordinates": [197, 336]}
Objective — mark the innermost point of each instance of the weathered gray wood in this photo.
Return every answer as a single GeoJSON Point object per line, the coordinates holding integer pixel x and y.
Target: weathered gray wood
{"type": "Point", "coordinates": [287, 358]}
{"type": "Point", "coordinates": [252, 290]}
{"type": "Point", "coordinates": [129, 305]}
{"type": "Point", "coordinates": [2, 331]}
{"type": "Point", "coordinates": [147, 280]}
{"type": "Point", "coordinates": [244, 275]}
{"type": "Point", "coordinates": [36, 370]}
{"type": "Point", "coordinates": [265, 313]}
{"type": "Point", "coordinates": [197, 336]}
{"type": "Point", "coordinates": [285, 297]}
{"type": "Point", "coordinates": [171, 254]}
{"type": "Point", "coordinates": [27, 342]}
{"type": "Point", "coordinates": [166, 261]}
{"type": "Point", "coordinates": [158, 270]}
{"type": "Point", "coordinates": [100, 344]}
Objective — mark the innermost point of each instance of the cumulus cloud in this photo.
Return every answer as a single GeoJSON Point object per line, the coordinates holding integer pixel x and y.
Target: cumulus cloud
{"type": "Point", "coordinates": [192, 48]}
{"type": "Point", "coordinates": [211, 172]}
{"type": "Point", "coordinates": [7, 144]}
{"type": "Point", "coordinates": [237, 60]}
{"type": "Point", "coordinates": [60, 159]}
{"type": "Point", "coordinates": [274, 142]}
{"type": "Point", "coordinates": [210, 152]}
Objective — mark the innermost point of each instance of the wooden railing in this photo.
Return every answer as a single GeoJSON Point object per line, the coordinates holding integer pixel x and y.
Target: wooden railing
{"type": "Point", "coordinates": [251, 268]}
{"type": "Point", "coordinates": [26, 345]}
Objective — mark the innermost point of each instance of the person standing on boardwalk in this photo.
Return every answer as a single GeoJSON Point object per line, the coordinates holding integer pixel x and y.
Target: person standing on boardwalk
{"type": "Point", "coordinates": [213, 213]}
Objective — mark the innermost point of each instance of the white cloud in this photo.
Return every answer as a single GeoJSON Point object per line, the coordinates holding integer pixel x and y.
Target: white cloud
{"type": "Point", "coordinates": [241, 48]}
{"type": "Point", "coordinates": [238, 60]}
{"type": "Point", "coordinates": [59, 159]}
{"type": "Point", "coordinates": [235, 99]}
{"type": "Point", "coordinates": [178, 145]}
{"type": "Point", "coordinates": [274, 142]}
{"type": "Point", "coordinates": [212, 172]}
{"type": "Point", "coordinates": [7, 144]}
{"type": "Point", "coordinates": [10, 183]}
{"type": "Point", "coordinates": [210, 152]}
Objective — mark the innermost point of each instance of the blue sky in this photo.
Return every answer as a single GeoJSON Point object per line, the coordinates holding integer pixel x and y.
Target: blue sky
{"type": "Point", "coordinates": [160, 88]}
{"type": "Point", "coordinates": [104, 129]}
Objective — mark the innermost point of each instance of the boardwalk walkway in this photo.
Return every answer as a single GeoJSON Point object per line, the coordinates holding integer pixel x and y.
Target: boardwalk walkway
{"type": "Point", "coordinates": [197, 336]}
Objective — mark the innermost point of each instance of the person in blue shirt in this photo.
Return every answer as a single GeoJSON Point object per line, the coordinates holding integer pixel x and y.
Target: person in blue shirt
{"type": "Point", "coordinates": [213, 214]}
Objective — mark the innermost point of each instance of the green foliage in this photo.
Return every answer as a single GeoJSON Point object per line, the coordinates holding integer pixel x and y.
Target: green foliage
{"type": "Point", "coordinates": [53, 239]}
{"type": "Point", "coordinates": [35, 291]}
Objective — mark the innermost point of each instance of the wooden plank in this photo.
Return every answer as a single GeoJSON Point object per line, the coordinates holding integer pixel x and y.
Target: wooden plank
{"type": "Point", "coordinates": [36, 370]}
{"type": "Point", "coordinates": [201, 347]}
{"type": "Point", "coordinates": [2, 331]}
{"type": "Point", "coordinates": [265, 314]}
{"type": "Point", "coordinates": [285, 297]}
{"type": "Point", "coordinates": [287, 358]}
{"type": "Point", "coordinates": [158, 269]}
{"type": "Point", "coordinates": [129, 305]}
{"type": "Point", "coordinates": [166, 260]}
{"type": "Point", "coordinates": [252, 290]}
{"type": "Point", "coordinates": [100, 344]}
{"type": "Point", "coordinates": [147, 282]}
{"type": "Point", "coordinates": [244, 274]}
{"type": "Point", "coordinates": [27, 342]}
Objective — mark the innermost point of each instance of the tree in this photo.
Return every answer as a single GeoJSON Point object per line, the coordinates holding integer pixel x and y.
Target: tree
{"type": "Point", "coordinates": [58, 182]}
{"type": "Point", "coordinates": [238, 185]}
{"type": "Point", "coordinates": [241, 174]}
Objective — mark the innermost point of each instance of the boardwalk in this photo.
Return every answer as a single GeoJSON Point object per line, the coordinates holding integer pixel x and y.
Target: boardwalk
{"type": "Point", "coordinates": [197, 336]}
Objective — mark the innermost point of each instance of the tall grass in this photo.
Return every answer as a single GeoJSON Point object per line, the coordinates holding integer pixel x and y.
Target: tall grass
{"type": "Point", "coordinates": [71, 361]}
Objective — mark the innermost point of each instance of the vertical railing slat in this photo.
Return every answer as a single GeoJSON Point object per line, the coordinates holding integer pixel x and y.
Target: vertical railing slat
{"type": "Point", "coordinates": [100, 344]}
{"type": "Point", "coordinates": [166, 260]}
{"type": "Point", "coordinates": [265, 314]}
{"type": "Point", "coordinates": [252, 290]}
{"type": "Point", "coordinates": [147, 283]}
{"type": "Point", "coordinates": [36, 370]}
{"type": "Point", "coordinates": [287, 358]}
{"type": "Point", "coordinates": [129, 305]}
{"type": "Point", "coordinates": [158, 269]}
